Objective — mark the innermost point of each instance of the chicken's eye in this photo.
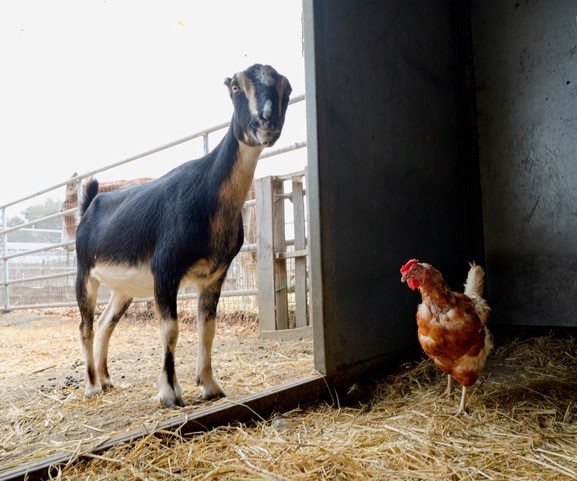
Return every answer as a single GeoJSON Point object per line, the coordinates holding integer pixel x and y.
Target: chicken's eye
{"type": "Point", "coordinates": [235, 88]}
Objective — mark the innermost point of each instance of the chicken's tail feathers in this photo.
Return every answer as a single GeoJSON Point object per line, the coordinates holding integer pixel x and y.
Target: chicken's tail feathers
{"type": "Point", "coordinates": [475, 281]}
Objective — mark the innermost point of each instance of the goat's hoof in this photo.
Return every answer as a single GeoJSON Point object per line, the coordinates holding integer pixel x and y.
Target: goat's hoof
{"type": "Point", "coordinates": [212, 391]}
{"type": "Point", "coordinates": [107, 386]}
{"type": "Point", "coordinates": [170, 403]}
{"type": "Point", "coordinates": [170, 399]}
{"type": "Point", "coordinates": [217, 395]}
{"type": "Point", "coordinates": [92, 391]}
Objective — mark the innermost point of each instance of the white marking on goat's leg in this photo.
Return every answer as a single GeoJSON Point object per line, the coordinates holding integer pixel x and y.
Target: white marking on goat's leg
{"type": "Point", "coordinates": [204, 376]}
{"type": "Point", "coordinates": [107, 321]}
{"type": "Point", "coordinates": [169, 391]}
{"type": "Point", "coordinates": [206, 327]}
{"type": "Point", "coordinates": [165, 292]}
{"type": "Point", "coordinates": [98, 341]}
{"type": "Point", "coordinates": [86, 291]}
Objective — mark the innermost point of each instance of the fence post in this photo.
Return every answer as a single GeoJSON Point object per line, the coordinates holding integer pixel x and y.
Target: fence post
{"type": "Point", "coordinates": [5, 286]}
{"type": "Point", "coordinates": [301, 304]}
{"type": "Point", "coordinates": [272, 275]}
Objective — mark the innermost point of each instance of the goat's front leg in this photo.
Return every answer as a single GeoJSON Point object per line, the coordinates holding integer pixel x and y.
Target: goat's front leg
{"type": "Point", "coordinates": [169, 391]}
{"type": "Point", "coordinates": [206, 327]}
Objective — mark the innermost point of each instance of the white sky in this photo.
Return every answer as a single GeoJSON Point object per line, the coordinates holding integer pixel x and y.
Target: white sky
{"type": "Point", "coordinates": [85, 84]}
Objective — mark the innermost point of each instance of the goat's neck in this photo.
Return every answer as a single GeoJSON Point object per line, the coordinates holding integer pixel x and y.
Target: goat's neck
{"type": "Point", "coordinates": [239, 171]}
{"type": "Point", "coordinates": [243, 173]}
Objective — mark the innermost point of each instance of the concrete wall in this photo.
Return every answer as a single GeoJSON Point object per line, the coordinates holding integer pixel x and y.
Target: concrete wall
{"type": "Point", "coordinates": [391, 171]}
{"type": "Point", "coordinates": [526, 73]}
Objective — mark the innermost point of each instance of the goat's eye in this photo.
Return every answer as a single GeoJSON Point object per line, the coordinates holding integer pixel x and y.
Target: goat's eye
{"type": "Point", "coordinates": [235, 88]}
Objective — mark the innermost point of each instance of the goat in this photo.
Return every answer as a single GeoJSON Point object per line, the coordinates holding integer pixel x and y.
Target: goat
{"type": "Point", "coordinates": [71, 201]}
{"type": "Point", "coordinates": [184, 227]}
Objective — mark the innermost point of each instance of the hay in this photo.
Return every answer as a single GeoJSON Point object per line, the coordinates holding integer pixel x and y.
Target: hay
{"type": "Point", "coordinates": [522, 427]}
{"type": "Point", "coordinates": [523, 423]}
{"type": "Point", "coordinates": [41, 383]}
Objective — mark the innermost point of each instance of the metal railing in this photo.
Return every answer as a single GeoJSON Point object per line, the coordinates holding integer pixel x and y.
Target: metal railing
{"type": "Point", "coordinates": [56, 260]}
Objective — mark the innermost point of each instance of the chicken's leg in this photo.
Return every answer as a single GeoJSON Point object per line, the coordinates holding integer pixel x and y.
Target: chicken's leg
{"type": "Point", "coordinates": [449, 391]}
{"type": "Point", "coordinates": [462, 411]}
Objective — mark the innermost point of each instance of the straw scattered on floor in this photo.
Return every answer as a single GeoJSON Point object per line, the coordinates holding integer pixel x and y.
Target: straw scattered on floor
{"type": "Point", "coordinates": [523, 423]}
{"type": "Point", "coordinates": [523, 426]}
{"type": "Point", "coordinates": [41, 378]}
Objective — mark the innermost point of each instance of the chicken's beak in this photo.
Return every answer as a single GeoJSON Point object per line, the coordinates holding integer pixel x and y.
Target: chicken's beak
{"type": "Point", "coordinates": [404, 278]}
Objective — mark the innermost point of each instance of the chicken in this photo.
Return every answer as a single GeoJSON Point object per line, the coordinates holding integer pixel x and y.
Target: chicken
{"type": "Point", "coordinates": [451, 325]}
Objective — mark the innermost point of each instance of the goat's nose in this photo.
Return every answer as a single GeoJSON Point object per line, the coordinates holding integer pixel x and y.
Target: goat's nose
{"type": "Point", "coordinates": [266, 111]}
{"type": "Point", "coordinates": [267, 124]}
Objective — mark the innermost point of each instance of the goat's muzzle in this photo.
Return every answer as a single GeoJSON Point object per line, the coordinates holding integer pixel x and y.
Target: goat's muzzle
{"type": "Point", "coordinates": [266, 137]}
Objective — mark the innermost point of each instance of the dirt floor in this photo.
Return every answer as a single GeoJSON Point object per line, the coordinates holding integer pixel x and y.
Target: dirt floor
{"type": "Point", "coordinates": [41, 377]}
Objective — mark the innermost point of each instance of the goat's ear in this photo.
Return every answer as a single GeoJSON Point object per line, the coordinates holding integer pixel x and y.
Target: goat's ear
{"type": "Point", "coordinates": [287, 86]}
{"type": "Point", "coordinates": [228, 83]}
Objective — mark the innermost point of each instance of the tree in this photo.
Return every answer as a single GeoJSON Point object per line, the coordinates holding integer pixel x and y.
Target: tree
{"type": "Point", "coordinates": [38, 211]}
{"type": "Point", "coordinates": [35, 212]}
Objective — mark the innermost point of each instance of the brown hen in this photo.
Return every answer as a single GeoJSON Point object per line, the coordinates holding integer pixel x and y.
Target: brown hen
{"type": "Point", "coordinates": [452, 325]}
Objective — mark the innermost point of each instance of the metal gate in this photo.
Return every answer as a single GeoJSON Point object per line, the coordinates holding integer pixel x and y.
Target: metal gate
{"type": "Point", "coordinates": [41, 274]}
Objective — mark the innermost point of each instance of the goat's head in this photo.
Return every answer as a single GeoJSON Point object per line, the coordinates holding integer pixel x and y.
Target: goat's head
{"type": "Point", "coordinates": [260, 97]}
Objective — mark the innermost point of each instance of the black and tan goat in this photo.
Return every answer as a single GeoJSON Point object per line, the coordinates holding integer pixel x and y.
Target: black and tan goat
{"type": "Point", "coordinates": [184, 227]}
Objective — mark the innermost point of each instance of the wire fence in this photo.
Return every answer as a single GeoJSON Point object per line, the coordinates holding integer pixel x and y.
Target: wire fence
{"type": "Point", "coordinates": [38, 261]}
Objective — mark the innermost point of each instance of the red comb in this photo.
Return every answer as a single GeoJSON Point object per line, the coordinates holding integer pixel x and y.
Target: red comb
{"type": "Point", "coordinates": [408, 265]}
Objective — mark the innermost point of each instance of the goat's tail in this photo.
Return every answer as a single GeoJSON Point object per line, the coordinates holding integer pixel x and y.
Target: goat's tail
{"type": "Point", "coordinates": [90, 192]}
{"type": "Point", "coordinates": [475, 281]}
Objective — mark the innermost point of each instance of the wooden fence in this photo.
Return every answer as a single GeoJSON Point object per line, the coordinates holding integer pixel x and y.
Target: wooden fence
{"type": "Point", "coordinates": [283, 299]}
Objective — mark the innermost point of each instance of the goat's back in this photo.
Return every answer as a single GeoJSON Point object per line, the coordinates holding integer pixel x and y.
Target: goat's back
{"type": "Point", "coordinates": [167, 217]}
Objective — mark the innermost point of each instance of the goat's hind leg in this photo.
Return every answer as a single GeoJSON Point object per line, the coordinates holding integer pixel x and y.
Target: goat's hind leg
{"type": "Point", "coordinates": [206, 327]}
{"type": "Point", "coordinates": [107, 321]}
{"type": "Point", "coordinates": [86, 291]}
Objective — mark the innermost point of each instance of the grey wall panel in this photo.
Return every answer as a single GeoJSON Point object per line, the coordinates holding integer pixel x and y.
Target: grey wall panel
{"type": "Point", "coordinates": [526, 70]}
{"type": "Point", "coordinates": [386, 167]}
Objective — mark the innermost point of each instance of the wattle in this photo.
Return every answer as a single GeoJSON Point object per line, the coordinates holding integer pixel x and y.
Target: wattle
{"type": "Point", "coordinates": [413, 284]}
